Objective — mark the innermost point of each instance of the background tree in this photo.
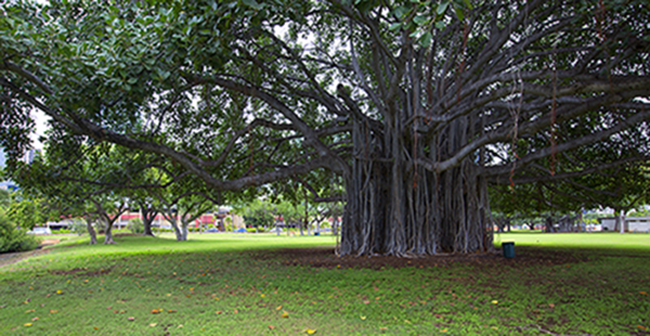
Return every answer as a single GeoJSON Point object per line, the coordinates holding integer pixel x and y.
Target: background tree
{"type": "Point", "coordinates": [416, 105]}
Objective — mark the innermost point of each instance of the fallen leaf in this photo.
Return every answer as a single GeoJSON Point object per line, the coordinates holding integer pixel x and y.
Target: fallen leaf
{"type": "Point", "coordinates": [443, 330]}
{"type": "Point", "coordinates": [153, 324]}
{"type": "Point", "coordinates": [35, 319]}
{"type": "Point", "coordinates": [219, 312]}
{"type": "Point", "coordinates": [27, 324]}
{"type": "Point", "coordinates": [279, 307]}
{"type": "Point", "coordinates": [30, 311]}
{"type": "Point", "coordinates": [310, 331]}
{"type": "Point", "coordinates": [366, 301]}
{"type": "Point", "coordinates": [109, 307]}
{"type": "Point", "coordinates": [262, 295]}
{"type": "Point", "coordinates": [641, 327]}
{"type": "Point", "coordinates": [53, 311]}
{"type": "Point", "coordinates": [285, 314]}
{"type": "Point", "coordinates": [407, 321]}
{"type": "Point", "coordinates": [155, 311]}
{"type": "Point", "coordinates": [96, 328]}
{"type": "Point", "coordinates": [59, 291]}
{"type": "Point", "coordinates": [171, 311]}
{"type": "Point", "coordinates": [180, 326]}
{"type": "Point", "coordinates": [363, 317]}
{"type": "Point", "coordinates": [495, 302]}
{"type": "Point", "coordinates": [271, 327]}
{"type": "Point", "coordinates": [643, 293]}
{"type": "Point", "coordinates": [236, 311]}
{"type": "Point", "coordinates": [131, 318]}
{"type": "Point", "coordinates": [552, 305]}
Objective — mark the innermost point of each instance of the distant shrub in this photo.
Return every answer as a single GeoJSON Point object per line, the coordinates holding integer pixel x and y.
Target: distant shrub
{"type": "Point", "coordinates": [78, 226]}
{"type": "Point", "coordinates": [136, 226]}
{"type": "Point", "coordinates": [61, 231]}
{"type": "Point", "coordinates": [13, 239]}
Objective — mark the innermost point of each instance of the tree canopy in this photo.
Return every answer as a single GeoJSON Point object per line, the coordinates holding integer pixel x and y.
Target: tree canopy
{"type": "Point", "coordinates": [415, 106]}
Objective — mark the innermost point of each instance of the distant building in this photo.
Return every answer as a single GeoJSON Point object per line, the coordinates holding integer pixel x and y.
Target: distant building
{"type": "Point", "coordinates": [632, 224]}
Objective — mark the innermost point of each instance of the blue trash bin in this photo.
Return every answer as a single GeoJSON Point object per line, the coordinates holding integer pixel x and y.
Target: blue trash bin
{"type": "Point", "coordinates": [508, 249]}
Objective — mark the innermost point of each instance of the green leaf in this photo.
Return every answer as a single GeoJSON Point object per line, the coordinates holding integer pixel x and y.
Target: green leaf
{"type": "Point", "coordinates": [421, 19]}
{"type": "Point", "coordinates": [252, 3]}
{"type": "Point", "coordinates": [425, 40]}
{"type": "Point", "coordinates": [459, 13]}
{"type": "Point", "coordinates": [442, 7]}
{"type": "Point", "coordinates": [395, 26]}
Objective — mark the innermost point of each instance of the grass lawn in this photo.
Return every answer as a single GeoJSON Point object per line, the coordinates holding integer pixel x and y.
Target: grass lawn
{"type": "Point", "coordinates": [215, 284]}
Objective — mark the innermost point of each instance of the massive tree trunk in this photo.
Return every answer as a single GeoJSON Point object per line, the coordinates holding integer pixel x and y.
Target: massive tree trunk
{"type": "Point", "coordinates": [395, 209]}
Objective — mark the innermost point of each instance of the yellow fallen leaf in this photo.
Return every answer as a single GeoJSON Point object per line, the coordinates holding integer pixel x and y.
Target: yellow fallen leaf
{"type": "Point", "coordinates": [443, 330]}
{"type": "Point", "coordinates": [30, 311]}
{"type": "Point", "coordinates": [285, 314]}
{"type": "Point", "coordinates": [279, 307]}
{"type": "Point", "coordinates": [262, 295]}
{"type": "Point", "coordinates": [59, 291]}
{"type": "Point", "coordinates": [495, 302]}
{"type": "Point", "coordinates": [407, 321]}
{"type": "Point", "coordinates": [27, 324]}
{"type": "Point", "coordinates": [310, 331]}
{"type": "Point", "coordinates": [363, 317]}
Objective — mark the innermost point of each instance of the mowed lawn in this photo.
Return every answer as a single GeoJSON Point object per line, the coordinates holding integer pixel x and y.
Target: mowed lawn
{"type": "Point", "coordinates": [227, 284]}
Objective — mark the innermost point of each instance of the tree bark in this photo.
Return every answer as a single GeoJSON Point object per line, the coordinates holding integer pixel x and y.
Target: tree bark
{"type": "Point", "coordinates": [620, 219]}
{"type": "Point", "coordinates": [108, 235]}
{"type": "Point", "coordinates": [148, 216]}
{"type": "Point", "coordinates": [401, 210]}
{"type": "Point", "coordinates": [91, 231]}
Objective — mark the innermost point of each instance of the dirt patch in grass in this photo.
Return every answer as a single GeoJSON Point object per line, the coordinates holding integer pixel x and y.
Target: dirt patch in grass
{"type": "Point", "coordinates": [325, 257]}
{"type": "Point", "coordinates": [82, 272]}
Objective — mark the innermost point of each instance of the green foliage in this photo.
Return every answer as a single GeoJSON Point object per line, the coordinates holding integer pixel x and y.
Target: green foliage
{"type": "Point", "coordinates": [136, 226]}
{"type": "Point", "coordinates": [26, 213]}
{"type": "Point", "coordinates": [78, 226]}
{"type": "Point", "coordinates": [13, 239]}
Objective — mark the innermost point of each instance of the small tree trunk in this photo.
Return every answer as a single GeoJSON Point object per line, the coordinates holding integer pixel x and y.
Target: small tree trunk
{"type": "Point", "coordinates": [549, 224]}
{"type": "Point", "coordinates": [108, 238]}
{"type": "Point", "coordinates": [91, 231]}
{"type": "Point", "coordinates": [177, 230]}
{"type": "Point", "coordinates": [184, 231]}
{"type": "Point", "coordinates": [621, 221]}
{"type": "Point", "coordinates": [147, 218]}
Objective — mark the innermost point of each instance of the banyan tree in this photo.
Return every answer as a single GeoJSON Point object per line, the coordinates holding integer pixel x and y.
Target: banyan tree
{"type": "Point", "coordinates": [417, 106]}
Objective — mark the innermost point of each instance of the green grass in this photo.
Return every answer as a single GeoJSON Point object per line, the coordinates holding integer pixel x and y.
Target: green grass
{"type": "Point", "coordinates": [231, 285]}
